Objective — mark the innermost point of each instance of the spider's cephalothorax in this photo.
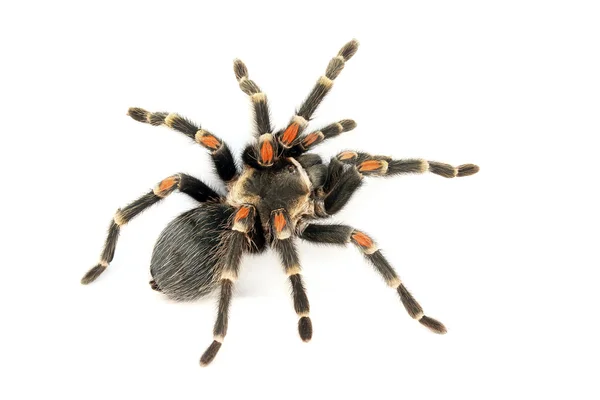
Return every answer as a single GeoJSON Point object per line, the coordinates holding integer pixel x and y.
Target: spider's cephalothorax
{"type": "Point", "coordinates": [272, 201]}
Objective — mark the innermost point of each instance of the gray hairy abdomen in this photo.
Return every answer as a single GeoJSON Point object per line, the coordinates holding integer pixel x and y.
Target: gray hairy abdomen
{"type": "Point", "coordinates": [185, 262]}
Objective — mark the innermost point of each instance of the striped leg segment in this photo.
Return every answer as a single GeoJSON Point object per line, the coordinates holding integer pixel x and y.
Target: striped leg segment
{"type": "Point", "coordinates": [236, 244]}
{"type": "Point", "coordinates": [219, 151]}
{"type": "Point", "coordinates": [182, 182]}
{"type": "Point", "coordinates": [318, 93]}
{"type": "Point", "coordinates": [386, 166]}
{"type": "Point", "coordinates": [259, 99]}
{"type": "Point", "coordinates": [343, 234]}
{"type": "Point", "coordinates": [281, 230]}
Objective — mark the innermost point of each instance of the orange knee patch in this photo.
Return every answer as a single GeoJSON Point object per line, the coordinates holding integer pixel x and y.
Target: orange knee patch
{"type": "Point", "coordinates": [210, 141]}
{"type": "Point", "coordinates": [167, 184]}
{"type": "Point", "coordinates": [242, 213]}
{"type": "Point", "coordinates": [347, 155]}
{"type": "Point", "coordinates": [311, 139]}
{"type": "Point", "coordinates": [362, 239]}
{"type": "Point", "coordinates": [370, 165]}
{"type": "Point", "coordinates": [266, 152]}
{"type": "Point", "coordinates": [279, 222]}
{"type": "Point", "coordinates": [290, 134]}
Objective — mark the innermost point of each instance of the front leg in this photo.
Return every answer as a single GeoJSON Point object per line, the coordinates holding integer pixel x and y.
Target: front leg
{"type": "Point", "coordinates": [219, 151]}
{"type": "Point", "coordinates": [344, 234]}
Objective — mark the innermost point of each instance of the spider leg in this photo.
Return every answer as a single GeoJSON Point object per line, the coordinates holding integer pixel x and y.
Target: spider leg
{"type": "Point", "coordinates": [281, 232]}
{"type": "Point", "coordinates": [258, 98]}
{"type": "Point", "coordinates": [386, 166]}
{"type": "Point", "coordinates": [219, 151]}
{"type": "Point", "coordinates": [317, 94]}
{"type": "Point", "coordinates": [182, 182]}
{"type": "Point", "coordinates": [343, 234]}
{"type": "Point", "coordinates": [345, 173]}
{"type": "Point", "coordinates": [236, 242]}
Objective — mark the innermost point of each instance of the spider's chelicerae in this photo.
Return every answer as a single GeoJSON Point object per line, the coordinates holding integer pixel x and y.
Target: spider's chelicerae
{"type": "Point", "coordinates": [275, 198]}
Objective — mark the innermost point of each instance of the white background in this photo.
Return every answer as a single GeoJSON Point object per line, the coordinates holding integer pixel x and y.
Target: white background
{"type": "Point", "coordinates": [507, 259]}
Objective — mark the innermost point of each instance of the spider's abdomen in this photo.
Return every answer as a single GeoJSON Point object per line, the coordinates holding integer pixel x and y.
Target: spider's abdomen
{"type": "Point", "coordinates": [185, 261]}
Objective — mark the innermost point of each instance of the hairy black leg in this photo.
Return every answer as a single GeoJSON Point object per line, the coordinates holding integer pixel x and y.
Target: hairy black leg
{"type": "Point", "coordinates": [322, 87]}
{"type": "Point", "coordinates": [344, 234]}
{"type": "Point", "coordinates": [386, 166]}
{"type": "Point", "coordinates": [281, 233]}
{"type": "Point", "coordinates": [259, 99]}
{"type": "Point", "coordinates": [236, 243]}
{"type": "Point", "coordinates": [182, 182]}
{"type": "Point", "coordinates": [219, 151]}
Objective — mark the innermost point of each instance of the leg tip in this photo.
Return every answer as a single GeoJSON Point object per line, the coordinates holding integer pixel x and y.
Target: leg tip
{"type": "Point", "coordinates": [210, 353]}
{"type": "Point", "coordinates": [305, 329]}
{"type": "Point", "coordinates": [467, 169]}
{"type": "Point", "coordinates": [92, 274]}
{"type": "Point", "coordinates": [139, 114]}
{"type": "Point", "coordinates": [434, 325]}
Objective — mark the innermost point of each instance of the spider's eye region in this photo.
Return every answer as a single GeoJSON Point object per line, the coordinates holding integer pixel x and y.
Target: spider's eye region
{"type": "Point", "coordinates": [290, 168]}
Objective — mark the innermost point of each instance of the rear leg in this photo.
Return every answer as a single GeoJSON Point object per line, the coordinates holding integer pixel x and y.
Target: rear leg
{"type": "Point", "coordinates": [182, 182]}
{"type": "Point", "coordinates": [344, 234]}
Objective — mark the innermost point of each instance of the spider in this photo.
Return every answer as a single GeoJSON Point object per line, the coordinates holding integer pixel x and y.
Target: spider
{"type": "Point", "coordinates": [275, 198]}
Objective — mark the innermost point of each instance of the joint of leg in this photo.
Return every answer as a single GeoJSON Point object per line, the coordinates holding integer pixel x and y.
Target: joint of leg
{"type": "Point", "coordinates": [300, 120]}
{"type": "Point", "coordinates": [207, 140]}
{"type": "Point", "coordinates": [170, 118]}
{"type": "Point", "coordinates": [419, 316]}
{"type": "Point", "coordinates": [325, 81]}
{"type": "Point", "coordinates": [119, 218]}
{"type": "Point", "coordinates": [293, 270]}
{"type": "Point", "coordinates": [103, 263]}
{"type": "Point", "coordinates": [394, 283]}
{"type": "Point", "coordinates": [229, 274]}
{"type": "Point", "coordinates": [166, 186]}
{"type": "Point", "coordinates": [219, 338]}
{"type": "Point", "coordinates": [303, 314]}
{"type": "Point", "coordinates": [259, 97]}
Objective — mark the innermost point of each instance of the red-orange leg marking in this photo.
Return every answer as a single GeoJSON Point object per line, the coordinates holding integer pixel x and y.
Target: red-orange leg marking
{"type": "Point", "coordinates": [242, 213]}
{"type": "Point", "coordinates": [362, 239]}
{"type": "Point", "coordinates": [210, 141]}
{"type": "Point", "coordinates": [290, 134]}
{"type": "Point", "coordinates": [312, 138]}
{"type": "Point", "coordinates": [279, 222]}
{"type": "Point", "coordinates": [266, 153]}
{"type": "Point", "coordinates": [167, 184]}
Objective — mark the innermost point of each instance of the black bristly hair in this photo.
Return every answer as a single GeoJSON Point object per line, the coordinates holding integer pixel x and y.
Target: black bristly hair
{"type": "Point", "coordinates": [273, 200]}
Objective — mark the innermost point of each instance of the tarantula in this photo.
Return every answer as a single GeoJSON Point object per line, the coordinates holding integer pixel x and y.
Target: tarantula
{"type": "Point", "coordinates": [279, 192]}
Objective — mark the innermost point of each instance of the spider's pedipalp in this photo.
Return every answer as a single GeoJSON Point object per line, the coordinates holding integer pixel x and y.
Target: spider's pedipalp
{"type": "Point", "coordinates": [184, 183]}
{"type": "Point", "coordinates": [219, 151]}
{"type": "Point", "coordinates": [342, 235]}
